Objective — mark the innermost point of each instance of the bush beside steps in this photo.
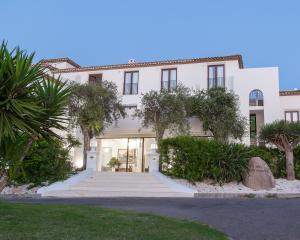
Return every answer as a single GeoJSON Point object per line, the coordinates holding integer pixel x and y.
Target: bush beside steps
{"type": "Point", "coordinates": [198, 159]}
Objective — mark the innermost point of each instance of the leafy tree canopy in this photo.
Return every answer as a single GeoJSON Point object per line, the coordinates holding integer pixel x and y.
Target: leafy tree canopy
{"type": "Point", "coordinates": [285, 136]}
{"type": "Point", "coordinates": [164, 110]}
{"type": "Point", "coordinates": [94, 107]}
{"type": "Point", "coordinates": [219, 113]}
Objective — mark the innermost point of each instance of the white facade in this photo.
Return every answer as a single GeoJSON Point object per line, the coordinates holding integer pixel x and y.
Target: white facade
{"type": "Point", "coordinates": [192, 73]}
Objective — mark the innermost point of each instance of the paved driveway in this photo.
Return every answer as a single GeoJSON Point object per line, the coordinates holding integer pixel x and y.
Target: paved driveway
{"type": "Point", "coordinates": [249, 219]}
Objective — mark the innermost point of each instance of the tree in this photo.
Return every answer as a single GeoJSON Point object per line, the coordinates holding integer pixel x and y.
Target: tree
{"type": "Point", "coordinates": [93, 107]}
{"type": "Point", "coordinates": [218, 111]}
{"type": "Point", "coordinates": [18, 106]}
{"type": "Point", "coordinates": [52, 96]}
{"type": "Point", "coordinates": [285, 136]}
{"type": "Point", "coordinates": [165, 110]}
{"type": "Point", "coordinates": [32, 106]}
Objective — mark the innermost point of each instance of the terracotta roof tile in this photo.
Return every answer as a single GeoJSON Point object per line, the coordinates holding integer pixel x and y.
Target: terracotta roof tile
{"type": "Point", "coordinates": [154, 63]}
{"type": "Point", "coordinates": [56, 60]}
{"type": "Point", "coordinates": [289, 93]}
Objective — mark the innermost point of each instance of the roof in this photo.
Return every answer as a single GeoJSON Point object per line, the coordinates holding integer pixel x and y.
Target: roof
{"type": "Point", "coordinates": [146, 64]}
{"type": "Point", "coordinates": [289, 93]}
{"type": "Point", "coordinates": [56, 60]}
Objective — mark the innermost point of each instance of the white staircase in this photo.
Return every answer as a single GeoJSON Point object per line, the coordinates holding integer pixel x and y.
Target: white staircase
{"type": "Point", "coordinates": [113, 184]}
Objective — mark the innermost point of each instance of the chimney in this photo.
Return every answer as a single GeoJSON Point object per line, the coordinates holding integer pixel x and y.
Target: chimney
{"type": "Point", "coordinates": [131, 61]}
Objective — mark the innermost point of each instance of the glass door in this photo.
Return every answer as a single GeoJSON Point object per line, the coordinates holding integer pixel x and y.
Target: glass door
{"type": "Point", "coordinates": [134, 155]}
{"type": "Point", "coordinates": [121, 154]}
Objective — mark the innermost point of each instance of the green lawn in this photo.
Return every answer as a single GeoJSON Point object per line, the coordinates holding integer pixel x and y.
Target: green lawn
{"type": "Point", "coordinates": [41, 221]}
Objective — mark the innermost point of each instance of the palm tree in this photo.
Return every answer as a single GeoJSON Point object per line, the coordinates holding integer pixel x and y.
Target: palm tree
{"type": "Point", "coordinates": [94, 107]}
{"type": "Point", "coordinates": [51, 95]}
{"type": "Point", "coordinates": [32, 105]}
{"type": "Point", "coordinates": [19, 109]}
{"type": "Point", "coordinates": [285, 136]}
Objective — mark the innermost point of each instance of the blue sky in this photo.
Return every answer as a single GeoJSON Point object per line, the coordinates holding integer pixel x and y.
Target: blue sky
{"type": "Point", "coordinates": [91, 32]}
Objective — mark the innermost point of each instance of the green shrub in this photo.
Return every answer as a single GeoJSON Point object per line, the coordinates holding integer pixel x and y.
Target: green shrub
{"type": "Point", "coordinates": [45, 162]}
{"type": "Point", "coordinates": [276, 160]}
{"type": "Point", "coordinates": [197, 159]}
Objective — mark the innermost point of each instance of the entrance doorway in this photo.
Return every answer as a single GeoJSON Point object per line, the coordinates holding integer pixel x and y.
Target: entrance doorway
{"type": "Point", "coordinates": [256, 122]}
{"type": "Point", "coordinates": [127, 154]}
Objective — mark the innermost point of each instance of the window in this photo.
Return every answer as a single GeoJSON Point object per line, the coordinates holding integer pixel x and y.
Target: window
{"type": "Point", "coordinates": [253, 129]}
{"type": "Point", "coordinates": [130, 107]}
{"type": "Point", "coordinates": [292, 116]}
{"type": "Point", "coordinates": [256, 98]}
{"type": "Point", "coordinates": [95, 78]}
{"type": "Point", "coordinates": [131, 81]}
{"type": "Point", "coordinates": [169, 79]}
{"type": "Point", "coordinates": [216, 76]}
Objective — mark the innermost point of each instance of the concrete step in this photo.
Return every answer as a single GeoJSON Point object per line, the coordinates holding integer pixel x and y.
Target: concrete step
{"type": "Point", "coordinates": [146, 177]}
{"type": "Point", "coordinates": [123, 182]}
{"type": "Point", "coordinates": [118, 184]}
{"type": "Point", "coordinates": [114, 184]}
{"type": "Point", "coordinates": [121, 189]}
{"type": "Point", "coordinates": [82, 193]}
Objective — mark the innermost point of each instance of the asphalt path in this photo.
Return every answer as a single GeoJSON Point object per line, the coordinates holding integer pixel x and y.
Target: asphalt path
{"type": "Point", "coordinates": [241, 219]}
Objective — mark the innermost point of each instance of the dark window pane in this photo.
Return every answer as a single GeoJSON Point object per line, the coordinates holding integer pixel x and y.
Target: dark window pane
{"type": "Point", "coordinates": [211, 72]}
{"type": "Point", "coordinates": [95, 78]}
{"type": "Point", "coordinates": [135, 77]}
{"type": "Point", "coordinates": [134, 88]}
{"type": "Point", "coordinates": [256, 98]}
{"type": "Point", "coordinates": [173, 75]}
{"type": "Point", "coordinates": [165, 76]}
{"type": "Point", "coordinates": [220, 71]}
{"type": "Point", "coordinates": [172, 85]}
{"type": "Point", "coordinates": [127, 77]}
{"type": "Point", "coordinates": [127, 88]}
{"type": "Point", "coordinates": [165, 85]}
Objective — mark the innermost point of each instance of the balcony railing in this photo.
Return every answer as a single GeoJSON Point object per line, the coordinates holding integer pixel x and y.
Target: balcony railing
{"type": "Point", "coordinates": [256, 102]}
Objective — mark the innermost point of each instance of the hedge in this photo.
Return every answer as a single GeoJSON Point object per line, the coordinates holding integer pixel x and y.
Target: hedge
{"type": "Point", "coordinates": [197, 159]}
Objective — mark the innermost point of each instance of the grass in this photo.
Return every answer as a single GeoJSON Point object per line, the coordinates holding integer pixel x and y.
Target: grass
{"type": "Point", "coordinates": [70, 222]}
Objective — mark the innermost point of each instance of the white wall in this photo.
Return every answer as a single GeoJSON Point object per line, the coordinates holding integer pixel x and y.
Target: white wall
{"type": "Point", "coordinates": [264, 79]}
{"type": "Point", "coordinates": [61, 65]}
{"type": "Point", "coordinates": [241, 81]}
{"type": "Point", "coordinates": [289, 103]}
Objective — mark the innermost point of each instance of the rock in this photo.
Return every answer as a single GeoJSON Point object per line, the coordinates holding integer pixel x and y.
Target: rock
{"type": "Point", "coordinates": [19, 190]}
{"type": "Point", "coordinates": [259, 175]}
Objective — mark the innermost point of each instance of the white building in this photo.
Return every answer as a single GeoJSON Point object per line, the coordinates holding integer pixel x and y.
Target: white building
{"type": "Point", "coordinates": [257, 88]}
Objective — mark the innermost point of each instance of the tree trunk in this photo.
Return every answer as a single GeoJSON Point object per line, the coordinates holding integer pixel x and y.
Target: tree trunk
{"type": "Point", "coordinates": [27, 148]}
{"type": "Point", "coordinates": [3, 180]}
{"type": "Point", "coordinates": [290, 171]}
{"type": "Point", "coordinates": [86, 146]}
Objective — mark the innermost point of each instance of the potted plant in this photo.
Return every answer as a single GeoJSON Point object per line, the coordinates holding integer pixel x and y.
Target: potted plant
{"type": "Point", "coordinates": [113, 163]}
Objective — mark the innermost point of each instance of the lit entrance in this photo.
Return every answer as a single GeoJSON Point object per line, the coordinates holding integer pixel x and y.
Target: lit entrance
{"type": "Point", "coordinates": [125, 154]}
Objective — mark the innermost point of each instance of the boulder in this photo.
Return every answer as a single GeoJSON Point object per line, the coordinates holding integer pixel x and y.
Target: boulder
{"type": "Point", "coordinates": [19, 190]}
{"type": "Point", "coordinates": [259, 175]}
